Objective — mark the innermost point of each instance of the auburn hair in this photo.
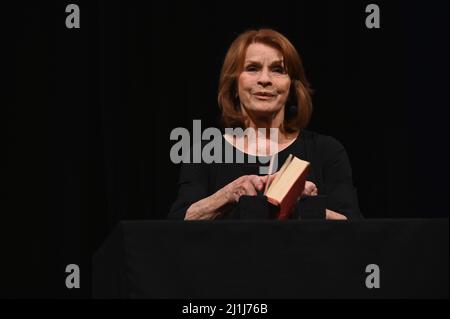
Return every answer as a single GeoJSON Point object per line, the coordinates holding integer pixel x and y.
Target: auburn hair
{"type": "Point", "coordinates": [298, 108]}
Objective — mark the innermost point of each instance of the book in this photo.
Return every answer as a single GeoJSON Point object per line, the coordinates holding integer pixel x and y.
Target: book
{"type": "Point", "coordinates": [287, 185]}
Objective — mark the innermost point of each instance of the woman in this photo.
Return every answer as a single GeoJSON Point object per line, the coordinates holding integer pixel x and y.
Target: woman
{"type": "Point", "coordinates": [263, 85]}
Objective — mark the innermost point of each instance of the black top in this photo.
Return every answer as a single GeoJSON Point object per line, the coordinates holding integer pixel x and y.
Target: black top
{"type": "Point", "coordinates": [330, 171]}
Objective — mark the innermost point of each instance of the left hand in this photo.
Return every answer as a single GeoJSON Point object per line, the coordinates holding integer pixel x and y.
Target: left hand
{"type": "Point", "coordinates": [331, 215]}
{"type": "Point", "coordinates": [310, 189]}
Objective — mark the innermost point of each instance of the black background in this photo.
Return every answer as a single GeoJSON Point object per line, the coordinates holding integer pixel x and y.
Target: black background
{"type": "Point", "coordinates": [88, 132]}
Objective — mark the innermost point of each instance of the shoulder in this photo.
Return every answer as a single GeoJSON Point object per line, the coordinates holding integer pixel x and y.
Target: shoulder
{"type": "Point", "coordinates": [321, 143]}
{"type": "Point", "coordinates": [329, 154]}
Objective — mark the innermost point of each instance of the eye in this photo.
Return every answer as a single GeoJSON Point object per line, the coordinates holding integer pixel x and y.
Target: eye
{"type": "Point", "coordinates": [251, 68]}
{"type": "Point", "coordinates": [278, 69]}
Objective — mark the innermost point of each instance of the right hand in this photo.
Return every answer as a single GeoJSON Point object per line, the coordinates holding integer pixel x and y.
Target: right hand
{"type": "Point", "coordinates": [251, 184]}
{"type": "Point", "coordinates": [221, 202]}
{"type": "Point", "coordinates": [244, 185]}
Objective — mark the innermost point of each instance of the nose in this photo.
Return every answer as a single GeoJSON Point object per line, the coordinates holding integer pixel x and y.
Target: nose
{"type": "Point", "coordinates": [264, 79]}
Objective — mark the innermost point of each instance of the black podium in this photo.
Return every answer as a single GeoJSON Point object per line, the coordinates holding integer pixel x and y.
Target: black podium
{"type": "Point", "coordinates": [273, 259]}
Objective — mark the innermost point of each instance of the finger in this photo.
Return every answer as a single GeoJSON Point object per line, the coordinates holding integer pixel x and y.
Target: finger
{"type": "Point", "coordinates": [249, 189]}
{"type": "Point", "coordinates": [307, 191]}
{"type": "Point", "coordinates": [309, 187]}
{"type": "Point", "coordinates": [258, 182]}
{"type": "Point", "coordinates": [272, 177]}
{"type": "Point", "coordinates": [237, 193]}
{"type": "Point", "coordinates": [268, 179]}
{"type": "Point", "coordinates": [311, 184]}
{"type": "Point", "coordinates": [264, 178]}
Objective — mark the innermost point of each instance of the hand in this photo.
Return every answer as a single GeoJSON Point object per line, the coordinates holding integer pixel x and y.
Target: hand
{"type": "Point", "coordinates": [221, 202]}
{"type": "Point", "coordinates": [331, 215]}
{"type": "Point", "coordinates": [244, 185]}
{"type": "Point", "coordinates": [310, 189]}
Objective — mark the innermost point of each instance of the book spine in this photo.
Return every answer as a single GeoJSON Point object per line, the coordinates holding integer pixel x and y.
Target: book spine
{"type": "Point", "coordinates": [289, 201]}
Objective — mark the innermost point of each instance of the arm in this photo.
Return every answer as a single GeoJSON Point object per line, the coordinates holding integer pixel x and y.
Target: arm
{"type": "Point", "coordinates": [311, 190]}
{"type": "Point", "coordinates": [210, 207]}
{"type": "Point", "coordinates": [193, 202]}
{"type": "Point", "coordinates": [192, 187]}
{"type": "Point", "coordinates": [337, 174]}
{"type": "Point", "coordinates": [221, 202]}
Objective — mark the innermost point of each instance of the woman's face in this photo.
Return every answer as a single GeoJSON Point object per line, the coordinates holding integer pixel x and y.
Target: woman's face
{"type": "Point", "coordinates": [263, 85]}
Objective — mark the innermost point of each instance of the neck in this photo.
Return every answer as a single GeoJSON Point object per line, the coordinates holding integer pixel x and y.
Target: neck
{"type": "Point", "coordinates": [264, 144]}
{"type": "Point", "coordinates": [268, 121]}
{"type": "Point", "coordinates": [264, 120]}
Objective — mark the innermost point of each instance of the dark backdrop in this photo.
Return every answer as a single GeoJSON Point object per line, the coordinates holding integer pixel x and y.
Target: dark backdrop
{"type": "Point", "coordinates": [88, 132]}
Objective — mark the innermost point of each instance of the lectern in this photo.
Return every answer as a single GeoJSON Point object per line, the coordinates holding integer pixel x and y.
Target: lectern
{"type": "Point", "coordinates": [274, 259]}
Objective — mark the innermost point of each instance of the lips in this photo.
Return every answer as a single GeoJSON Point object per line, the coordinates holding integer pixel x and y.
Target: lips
{"type": "Point", "coordinates": [264, 95]}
